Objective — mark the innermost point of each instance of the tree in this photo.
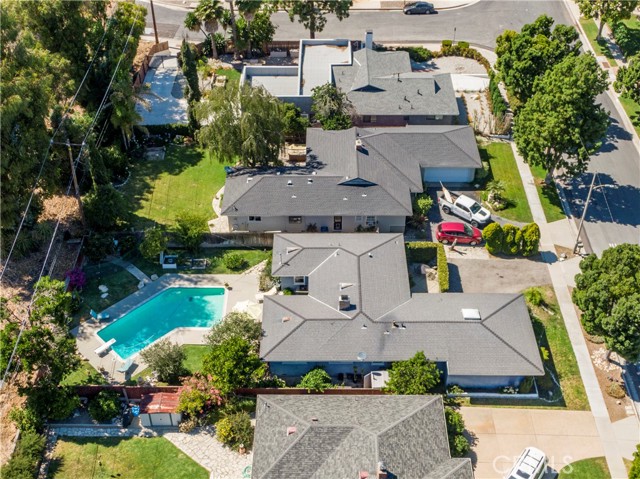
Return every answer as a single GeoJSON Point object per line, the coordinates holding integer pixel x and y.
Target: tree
{"type": "Point", "coordinates": [316, 380]}
{"type": "Point", "coordinates": [248, 10]}
{"type": "Point", "coordinates": [236, 325]}
{"type": "Point", "coordinates": [261, 29]}
{"type": "Point", "coordinates": [166, 359]}
{"type": "Point", "coordinates": [628, 79]}
{"type": "Point", "coordinates": [331, 107]}
{"type": "Point", "coordinates": [605, 293]}
{"type": "Point", "coordinates": [511, 240]}
{"type": "Point", "coordinates": [458, 444]}
{"type": "Point", "coordinates": [607, 11]}
{"type": "Point", "coordinates": [561, 125]}
{"type": "Point", "coordinates": [295, 125]}
{"type": "Point", "coordinates": [232, 364]}
{"type": "Point", "coordinates": [154, 243]}
{"type": "Point", "coordinates": [311, 13]}
{"type": "Point", "coordinates": [190, 71]}
{"type": "Point", "coordinates": [124, 115]}
{"type": "Point", "coordinates": [105, 208]}
{"type": "Point", "coordinates": [413, 376]}
{"type": "Point", "coordinates": [206, 18]}
{"type": "Point", "coordinates": [634, 472]}
{"type": "Point", "coordinates": [525, 56]}
{"type": "Point", "coordinates": [52, 303]}
{"type": "Point", "coordinates": [530, 239]}
{"type": "Point", "coordinates": [105, 406]}
{"type": "Point", "coordinates": [493, 238]}
{"type": "Point", "coordinates": [242, 123]}
{"type": "Point", "coordinates": [188, 229]}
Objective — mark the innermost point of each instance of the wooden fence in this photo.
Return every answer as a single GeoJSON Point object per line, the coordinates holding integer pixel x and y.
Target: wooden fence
{"type": "Point", "coordinates": [138, 77]}
{"type": "Point", "coordinates": [256, 240]}
{"type": "Point", "coordinates": [302, 391]}
{"type": "Point", "coordinates": [133, 392]}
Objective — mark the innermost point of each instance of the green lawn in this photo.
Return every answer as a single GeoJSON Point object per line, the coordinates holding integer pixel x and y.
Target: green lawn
{"type": "Point", "coordinates": [215, 256]}
{"type": "Point", "coordinates": [232, 74]}
{"type": "Point", "coordinates": [593, 468]}
{"type": "Point", "coordinates": [601, 48]}
{"type": "Point", "coordinates": [548, 194]}
{"type": "Point", "coordinates": [633, 111]}
{"type": "Point", "coordinates": [193, 362]}
{"type": "Point", "coordinates": [186, 180]}
{"type": "Point", "coordinates": [628, 37]}
{"type": "Point", "coordinates": [85, 374]}
{"type": "Point", "coordinates": [80, 458]}
{"type": "Point", "coordinates": [504, 168]}
{"type": "Point", "coordinates": [120, 283]}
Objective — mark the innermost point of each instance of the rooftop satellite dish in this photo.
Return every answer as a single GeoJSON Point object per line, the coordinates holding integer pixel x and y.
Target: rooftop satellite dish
{"type": "Point", "coordinates": [362, 356]}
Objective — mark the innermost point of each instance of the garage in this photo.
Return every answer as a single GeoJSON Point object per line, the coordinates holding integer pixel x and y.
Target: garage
{"type": "Point", "coordinates": [448, 175]}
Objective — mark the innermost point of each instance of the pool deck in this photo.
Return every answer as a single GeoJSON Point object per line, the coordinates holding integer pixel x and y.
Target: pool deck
{"type": "Point", "coordinates": [243, 287]}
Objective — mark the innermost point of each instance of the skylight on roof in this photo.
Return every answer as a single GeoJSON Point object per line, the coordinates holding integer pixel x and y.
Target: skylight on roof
{"type": "Point", "coordinates": [471, 314]}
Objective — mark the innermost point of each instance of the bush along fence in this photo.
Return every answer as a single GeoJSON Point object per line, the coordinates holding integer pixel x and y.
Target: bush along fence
{"type": "Point", "coordinates": [425, 251]}
{"type": "Point", "coordinates": [511, 240]}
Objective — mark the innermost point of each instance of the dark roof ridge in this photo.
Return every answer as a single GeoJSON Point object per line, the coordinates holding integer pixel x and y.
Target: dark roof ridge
{"type": "Point", "coordinates": [293, 256]}
{"type": "Point", "coordinates": [253, 183]}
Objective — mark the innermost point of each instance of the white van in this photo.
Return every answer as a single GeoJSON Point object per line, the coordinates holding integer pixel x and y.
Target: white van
{"type": "Point", "coordinates": [532, 464]}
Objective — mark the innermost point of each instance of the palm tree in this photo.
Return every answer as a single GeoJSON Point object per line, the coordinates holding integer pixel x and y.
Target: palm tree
{"type": "Point", "coordinates": [234, 30]}
{"type": "Point", "coordinates": [248, 9]}
{"type": "Point", "coordinates": [206, 18]}
{"type": "Point", "coordinates": [124, 99]}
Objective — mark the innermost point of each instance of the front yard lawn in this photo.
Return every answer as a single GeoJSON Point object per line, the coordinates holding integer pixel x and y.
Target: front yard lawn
{"type": "Point", "coordinates": [548, 194]}
{"type": "Point", "coordinates": [601, 48]}
{"type": "Point", "coordinates": [633, 111]}
{"type": "Point", "coordinates": [627, 36]}
{"type": "Point", "coordinates": [186, 180]}
{"type": "Point", "coordinates": [592, 468]}
{"type": "Point", "coordinates": [79, 458]}
{"type": "Point", "coordinates": [503, 168]}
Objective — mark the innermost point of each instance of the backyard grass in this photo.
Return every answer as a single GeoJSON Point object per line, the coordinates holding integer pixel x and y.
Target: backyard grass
{"type": "Point", "coordinates": [600, 47]}
{"type": "Point", "coordinates": [193, 362]}
{"type": "Point", "coordinates": [215, 257]}
{"type": "Point", "coordinates": [633, 111]}
{"type": "Point", "coordinates": [85, 374]}
{"type": "Point", "coordinates": [592, 468]}
{"type": "Point", "coordinates": [548, 194]}
{"type": "Point", "coordinates": [232, 74]}
{"type": "Point", "coordinates": [79, 458]}
{"type": "Point", "coordinates": [120, 283]}
{"type": "Point", "coordinates": [186, 180]}
{"type": "Point", "coordinates": [503, 168]}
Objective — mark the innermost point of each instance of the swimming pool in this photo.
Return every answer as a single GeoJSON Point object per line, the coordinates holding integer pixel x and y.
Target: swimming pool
{"type": "Point", "coordinates": [171, 309]}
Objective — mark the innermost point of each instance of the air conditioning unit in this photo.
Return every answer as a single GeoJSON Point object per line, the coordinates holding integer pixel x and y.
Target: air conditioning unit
{"type": "Point", "coordinates": [304, 115]}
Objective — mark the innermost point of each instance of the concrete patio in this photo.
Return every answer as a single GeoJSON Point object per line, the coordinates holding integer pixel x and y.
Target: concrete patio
{"type": "Point", "coordinates": [243, 288]}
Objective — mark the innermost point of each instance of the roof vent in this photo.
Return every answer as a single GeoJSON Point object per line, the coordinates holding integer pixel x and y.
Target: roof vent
{"type": "Point", "coordinates": [249, 179]}
{"type": "Point", "coordinates": [278, 173]}
{"type": "Point", "coordinates": [344, 303]}
{"type": "Point", "coordinates": [370, 255]}
{"type": "Point", "coordinates": [293, 196]}
{"type": "Point", "coordinates": [363, 475]}
{"type": "Point", "coordinates": [309, 181]}
{"type": "Point", "coordinates": [345, 198]}
{"type": "Point", "coordinates": [291, 249]}
{"type": "Point", "coordinates": [359, 145]}
{"type": "Point", "coordinates": [471, 314]}
{"type": "Point", "coordinates": [289, 183]}
{"type": "Point", "coordinates": [314, 419]}
{"type": "Point", "coordinates": [286, 319]}
{"type": "Point", "coordinates": [291, 430]}
{"type": "Point", "coordinates": [345, 285]}
{"type": "Point", "coordinates": [364, 195]}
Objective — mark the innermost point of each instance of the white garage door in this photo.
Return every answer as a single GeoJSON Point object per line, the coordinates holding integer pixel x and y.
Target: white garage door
{"type": "Point", "coordinates": [448, 175]}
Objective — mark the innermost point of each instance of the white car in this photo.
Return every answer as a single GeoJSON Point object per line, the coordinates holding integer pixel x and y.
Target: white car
{"type": "Point", "coordinates": [532, 464]}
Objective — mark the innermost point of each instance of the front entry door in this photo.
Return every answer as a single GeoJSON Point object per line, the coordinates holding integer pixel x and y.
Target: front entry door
{"type": "Point", "coordinates": [337, 223]}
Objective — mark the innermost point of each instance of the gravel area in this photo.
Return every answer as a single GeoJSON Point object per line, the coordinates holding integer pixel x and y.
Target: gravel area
{"type": "Point", "coordinates": [452, 65]}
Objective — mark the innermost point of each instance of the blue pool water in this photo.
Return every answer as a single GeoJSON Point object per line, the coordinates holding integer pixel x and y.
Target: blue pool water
{"type": "Point", "coordinates": [173, 308]}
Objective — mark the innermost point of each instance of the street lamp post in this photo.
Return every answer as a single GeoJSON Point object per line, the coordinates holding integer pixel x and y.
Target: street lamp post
{"type": "Point", "coordinates": [586, 206]}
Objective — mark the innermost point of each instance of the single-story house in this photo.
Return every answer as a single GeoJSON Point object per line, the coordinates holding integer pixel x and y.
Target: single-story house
{"type": "Point", "coordinates": [381, 87]}
{"type": "Point", "coordinates": [353, 313]}
{"type": "Point", "coordinates": [358, 437]}
{"type": "Point", "coordinates": [160, 409]}
{"type": "Point", "coordinates": [352, 180]}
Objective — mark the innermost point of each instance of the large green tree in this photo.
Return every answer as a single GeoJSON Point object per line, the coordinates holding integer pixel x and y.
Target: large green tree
{"type": "Point", "coordinates": [628, 79]}
{"type": "Point", "coordinates": [413, 376]}
{"type": "Point", "coordinates": [331, 107]}
{"type": "Point", "coordinates": [166, 359]}
{"type": "Point", "coordinates": [312, 13]}
{"type": "Point", "coordinates": [242, 123]}
{"type": "Point", "coordinates": [206, 18]}
{"type": "Point", "coordinates": [233, 364]}
{"type": "Point", "coordinates": [607, 11]}
{"type": "Point", "coordinates": [525, 56]}
{"type": "Point", "coordinates": [236, 324]}
{"type": "Point", "coordinates": [561, 125]}
{"type": "Point", "coordinates": [608, 294]}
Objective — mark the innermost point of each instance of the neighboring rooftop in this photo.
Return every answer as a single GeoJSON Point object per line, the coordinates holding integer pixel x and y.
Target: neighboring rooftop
{"type": "Point", "coordinates": [315, 437]}
{"type": "Point", "coordinates": [383, 83]}
{"type": "Point", "coordinates": [383, 319]}
{"type": "Point", "coordinates": [385, 168]}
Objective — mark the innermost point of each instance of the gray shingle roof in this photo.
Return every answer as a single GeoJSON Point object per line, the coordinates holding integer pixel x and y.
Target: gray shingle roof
{"type": "Point", "coordinates": [371, 268]}
{"type": "Point", "coordinates": [389, 160]}
{"type": "Point", "coordinates": [382, 83]}
{"type": "Point", "coordinates": [340, 436]}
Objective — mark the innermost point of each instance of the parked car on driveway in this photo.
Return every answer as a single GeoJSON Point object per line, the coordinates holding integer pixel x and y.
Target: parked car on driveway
{"type": "Point", "coordinates": [464, 207]}
{"type": "Point", "coordinates": [451, 231]}
{"type": "Point", "coordinates": [417, 8]}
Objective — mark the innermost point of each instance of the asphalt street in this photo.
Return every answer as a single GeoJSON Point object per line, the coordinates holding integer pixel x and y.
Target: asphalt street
{"type": "Point", "coordinates": [613, 214]}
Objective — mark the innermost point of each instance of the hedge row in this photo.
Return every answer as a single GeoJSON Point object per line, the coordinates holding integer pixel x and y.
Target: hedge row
{"type": "Point", "coordinates": [425, 251]}
{"type": "Point", "coordinates": [417, 54]}
{"type": "Point", "coordinates": [496, 101]}
{"type": "Point", "coordinates": [462, 49]}
{"type": "Point", "coordinates": [172, 129]}
{"type": "Point", "coordinates": [26, 458]}
{"type": "Point", "coordinates": [511, 240]}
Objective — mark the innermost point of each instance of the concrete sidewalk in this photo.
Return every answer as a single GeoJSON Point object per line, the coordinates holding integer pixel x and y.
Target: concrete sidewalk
{"type": "Point", "coordinates": [612, 448]}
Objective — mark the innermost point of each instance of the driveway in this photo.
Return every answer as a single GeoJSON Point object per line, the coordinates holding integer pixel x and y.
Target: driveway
{"type": "Point", "coordinates": [166, 99]}
{"type": "Point", "coordinates": [503, 433]}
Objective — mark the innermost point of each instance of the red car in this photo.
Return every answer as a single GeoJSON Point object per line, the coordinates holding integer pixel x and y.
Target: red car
{"type": "Point", "coordinates": [451, 231]}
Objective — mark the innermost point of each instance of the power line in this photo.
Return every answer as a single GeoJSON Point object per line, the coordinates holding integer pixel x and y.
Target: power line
{"type": "Point", "coordinates": [46, 155]}
{"type": "Point", "coordinates": [33, 295]}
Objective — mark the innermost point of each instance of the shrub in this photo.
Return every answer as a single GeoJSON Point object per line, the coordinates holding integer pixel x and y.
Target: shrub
{"type": "Point", "coordinates": [634, 472]}
{"type": "Point", "coordinates": [232, 363]}
{"type": "Point", "coordinates": [594, 339]}
{"type": "Point", "coordinates": [188, 425]}
{"type": "Point", "coordinates": [98, 246]}
{"type": "Point", "coordinates": [267, 281]}
{"type": "Point", "coordinates": [493, 236]}
{"type": "Point", "coordinates": [166, 359]}
{"type": "Point", "coordinates": [316, 380]}
{"type": "Point", "coordinates": [26, 419]}
{"type": "Point", "coordinates": [446, 44]}
{"type": "Point", "coordinates": [534, 296]}
{"type": "Point", "coordinates": [77, 278]}
{"type": "Point", "coordinates": [424, 252]}
{"type": "Point", "coordinates": [422, 204]}
{"type": "Point", "coordinates": [416, 375]}
{"type": "Point", "coordinates": [615, 390]}
{"type": "Point", "coordinates": [189, 228]}
{"type": "Point", "coordinates": [496, 101]}
{"type": "Point", "coordinates": [530, 239]}
{"type": "Point", "coordinates": [153, 244]}
{"type": "Point", "coordinates": [235, 262]}
{"type": "Point", "coordinates": [463, 45]}
{"type": "Point", "coordinates": [458, 444]}
{"type": "Point", "coordinates": [443, 269]}
{"type": "Point", "coordinates": [235, 430]}
{"type": "Point", "coordinates": [417, 54]}
{"type": "Point", "coordinates": [24, 462]}
{"type": "Point", "coordinates": [456, 51]}
{"type": "Point", "coordinates": [198, 395]}
{"type": "Point", "coordinates": [105, 406]}
{"type": "Point", "coordinates": [106, 209]}
{"type": "Point", "coordinates": [544, 352]}
{"type": "Point", "coordinates": [512, 239]}
{"type": "Point", "coordinates": [526, 386]}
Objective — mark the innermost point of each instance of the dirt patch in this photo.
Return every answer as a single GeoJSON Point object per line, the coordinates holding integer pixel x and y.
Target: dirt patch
{"type": "Point", "coordinates": [142, 51]}
{"type": "Point", "coordinates": [9, 399]}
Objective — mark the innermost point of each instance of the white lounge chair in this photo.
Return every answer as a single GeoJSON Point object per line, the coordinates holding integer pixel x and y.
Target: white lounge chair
{"type": "Point", "coordinates": [105, 347]}
{"type": "Point", "coordinates": [99, 316]}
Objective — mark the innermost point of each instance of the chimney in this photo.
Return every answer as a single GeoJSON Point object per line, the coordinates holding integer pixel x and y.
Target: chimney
{"type": "Point", "coordinates": [368, 39]}
{"type": "Point", "coordinates": [382, 471]}
{"type": "Point", "coordinates": [344, 303]}
{"type": "Point", "coordinates": [359, 145]}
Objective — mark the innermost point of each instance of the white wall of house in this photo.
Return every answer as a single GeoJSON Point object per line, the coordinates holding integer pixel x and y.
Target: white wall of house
{"type": "Point", "coordinates": [484, 381]}
{"type": "Point", "coordinates": [299, 224]}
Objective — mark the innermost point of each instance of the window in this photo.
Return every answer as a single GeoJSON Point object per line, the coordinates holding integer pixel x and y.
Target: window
{"type": "Point", "coordinates": [299, 280]}
{"type": "Point", "coordinates": [295, 220]}
{"type": "Point", "coordinates": [374, 118]}
{"type": "Point", "coordinates": [371, 221]}
{"type": "Point", "coordinates": [430, 117]}
{"type": "Point", "coordinates": [359, 219]}
{"type": "Point", "coordinates": [366, 119]}
{"type": "Point", "coordinates": [438, 117]}
{"type": "Point", "coordinates": [255, 218]}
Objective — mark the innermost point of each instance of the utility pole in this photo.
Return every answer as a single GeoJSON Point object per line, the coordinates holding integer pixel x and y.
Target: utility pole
{"type": "Point", "coordinates": [75, 184]}
{"type": "Point", "coordinates": [153, 16]}
{"type": "Point", "coordinates": [586, 205]}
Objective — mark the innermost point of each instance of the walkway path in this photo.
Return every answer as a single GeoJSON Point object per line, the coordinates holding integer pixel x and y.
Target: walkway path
{"type": "Point", "coordinates": [140, 276]}
{"type": "Point", "coordinates": [606, 431]}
